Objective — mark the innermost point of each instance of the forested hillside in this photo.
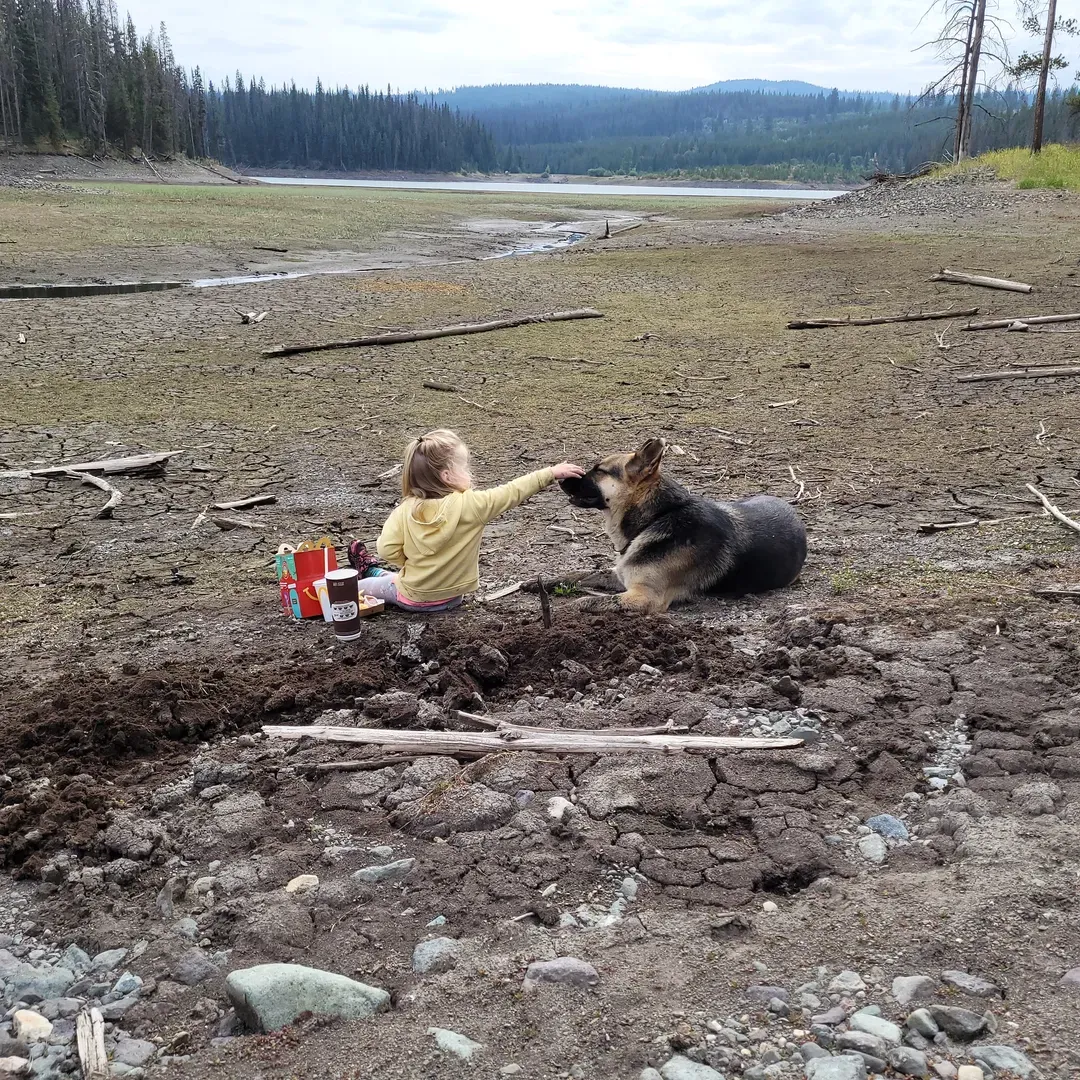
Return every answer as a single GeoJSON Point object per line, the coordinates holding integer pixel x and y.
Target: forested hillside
{"type": "Point", "coordinates": [70, 70]}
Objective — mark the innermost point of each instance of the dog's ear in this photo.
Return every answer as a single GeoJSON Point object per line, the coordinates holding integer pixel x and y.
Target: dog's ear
{"type": "Point", "coordinates": [646, 462]}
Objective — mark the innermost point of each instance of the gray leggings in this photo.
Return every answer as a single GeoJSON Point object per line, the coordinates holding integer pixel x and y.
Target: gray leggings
{"type": "Point", "coordinates": [384, 587]}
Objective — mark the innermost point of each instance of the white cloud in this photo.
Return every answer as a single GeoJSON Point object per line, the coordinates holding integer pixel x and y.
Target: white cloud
{"type": "Point", "coordinates": [854, 44]}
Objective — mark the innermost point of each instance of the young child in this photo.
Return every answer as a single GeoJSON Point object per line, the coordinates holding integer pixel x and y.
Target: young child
{"type": "Point", "coordinates": [434, 533]}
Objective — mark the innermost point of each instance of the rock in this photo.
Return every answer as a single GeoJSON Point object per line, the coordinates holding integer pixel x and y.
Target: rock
{"type": "Point", "coordinates": [862, 1042]}
{"type": "Point", "coordinates": [970, 984]}
{"type": "Point", "coordinates": [134, 1052]}
{"type": "Point", "coordinates": [908, 1062]}
{"type": "Point", "coordinates": [909, 988]}
{"type": "Point", "coordinates": [435, 956]}
{"type": "Point", "coordinates": [30, 1027]}
{"type": "Point", "coordinates": [923, 1023]}
{"type": "Point", "coordinates": [649, 1074]}
{"type": "Point", "coordinates": [127, 984]}
{"type": "Point", "coordinates": [565, 971]}
{"type": "Point", "coordinates": [764, 994]}
{"type": "Point", "coordinates": [836, 1068]}
{"type": "Point", "coordinates": [450, 1042]}
{"type": "Point", "coordinates": [682, 1068]}
{"type": "Point", "coordinates": [892, 828]}
{"type": "Point", "coordinates": [1071, 978]}
{"type": "Point", "coordinates": [969, 1072]}
{"type": "Point", "coordinates": [134, 838]}
{"type": "Point", "coordinates": [516, 1070]}
{"type": "Point", "coordinates": [305, 883]}
{"type": "Point", "coordinates": [194, 967]}
{"type": "Point", "coordinates": [873, 848]}
{"type": "Point", "coordinates": [115, 1010]}
{"type": "Point", "coordinates": [779, 1008]}
{"type": "Point", "coordinates": [812, 1051]}
{"type": "Point", "coordinates": [847, 982]}
{"type": "Point", "coordinates": [770, 907]}
{"type": "Point", "coordinates": [558, 808]}
{"type": "Point", "coordinates": [1004, 1059]}
{"type": "Point", "coordinates": [947, 1070]}
{"type": "Point", "coordinates": [396, 708]}
{"type": "Point", "coordinates": [488, 666]}
{"type": "Point", "coordinates": [1038, 797]}
{"type": "Point", "coordinates": [108, 961]}
{"type": "Point", "coordinates": [729, 925]}
{"type": "Point", "coordinates": [74, 959]}
{"type": "Point", "coordinates": [14, 1066]}
{"type": "Point", "coordinates": [393, 871]}
{"type": "Point", "coordinates": [875, 1025]}
{"type": "Point", "coordinates": [60, 1008]}
{"type": "Point", "coordinates": [835, 1015]}
{"type": "Point", "coordinates": [270, 996]}
{"type": "Point", "coordinates": [32, 984]}
{"type": "Point", "coordinates": [959, 1023]}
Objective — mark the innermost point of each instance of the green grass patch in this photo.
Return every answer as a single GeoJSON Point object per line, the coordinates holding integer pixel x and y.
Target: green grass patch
{"type": "Point", "coordinates": [1057, 166]}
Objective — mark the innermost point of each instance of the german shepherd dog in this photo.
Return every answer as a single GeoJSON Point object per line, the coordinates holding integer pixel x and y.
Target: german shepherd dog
{"type": "Point", "coordinates": [674, 545]}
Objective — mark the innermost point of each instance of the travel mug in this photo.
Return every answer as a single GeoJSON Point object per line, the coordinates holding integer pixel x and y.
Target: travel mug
{"type": "Point", "coordinates": [321, 592]}
{"type": "Point", "coordinates": [343, 588]}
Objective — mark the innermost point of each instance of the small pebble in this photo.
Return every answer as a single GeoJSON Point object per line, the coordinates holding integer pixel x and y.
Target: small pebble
{"type": "Point", "coordinates": [769, 907]}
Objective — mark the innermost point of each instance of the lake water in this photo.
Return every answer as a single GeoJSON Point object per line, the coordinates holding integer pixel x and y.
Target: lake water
{"type": "Point", "coordinates": [509, 188]}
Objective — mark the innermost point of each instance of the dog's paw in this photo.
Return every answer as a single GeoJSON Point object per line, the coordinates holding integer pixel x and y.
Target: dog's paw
{"type": "Point", "coordinates": [597, 605]}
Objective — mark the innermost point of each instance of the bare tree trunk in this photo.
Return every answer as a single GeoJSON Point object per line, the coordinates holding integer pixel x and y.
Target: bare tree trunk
{"type": "Point", "coordinates": [962, 98]}
{"type": "Point", "coordinates": [978, 22]}
{"type": "Point", "coordinates": [1044, 72]}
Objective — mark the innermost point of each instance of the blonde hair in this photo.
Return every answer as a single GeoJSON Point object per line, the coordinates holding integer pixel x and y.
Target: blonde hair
{"type": "Point", "coordinates": [426, 459]}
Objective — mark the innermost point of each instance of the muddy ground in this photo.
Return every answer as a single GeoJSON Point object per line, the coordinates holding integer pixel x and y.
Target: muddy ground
{"type": "Point", "coordinates": [144, 652]}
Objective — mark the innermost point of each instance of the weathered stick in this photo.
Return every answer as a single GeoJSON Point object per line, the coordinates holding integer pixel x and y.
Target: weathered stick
{"type": "Point", "coordinates": [1052, 510]}
{"type": "Point", "coordinates": [445, 387]}
{"type": "Point", "coordinates": [498, 594]}
{"type": "Point", "coordinates": [1028, 320]}
{"type": "Point", "coordinates": [115, 495]}
{"type": "Point", "coordinates": [226, 524]}
{"type": "Point", "coordinates": [954, 277]}
{"type": "Point", "coordinates": [545, 603]}
{"type": "Point", "coordinates": [942, 526]}
{"type": "Point", "coordinates": [1021, 373]}
{"type": "Point", "coordinates": [139, 463]}
{"type": "Point", "coordinates": [152, 169]}
{"type": "Point", "coordinates": [243, 504]}
{"type": "Point", "coordinates": [490, 723]}
{"type": "Point", "coordinates": [565, 742]}
{"type": "Point", "coordinates": [915, 316]}
{"type": "Point", "coordinates": [460, 329]}
{"type": "Point", "coordinates": [90, 1036]}
{"type": "Point", "coordinates": [1059, 594]}
{"type": "Point", "coordinates": [280, 251]}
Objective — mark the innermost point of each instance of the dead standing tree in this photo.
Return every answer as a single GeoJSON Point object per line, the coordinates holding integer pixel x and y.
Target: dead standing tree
{"type": "Point", "coordinates": [1037, 66]}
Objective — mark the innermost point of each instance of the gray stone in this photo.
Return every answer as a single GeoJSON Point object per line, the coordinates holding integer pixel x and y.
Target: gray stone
{"type": "Point", "coordinates": [1037, 797]}
{"type": "Point", "coordinates": [922, 1022]}
{"type": "Point", "coordinates": [435, 956]}
{"type": "Point", "coordinates": [811, 1052]}
{"type": "Point", "coordinates": [108, 961]}
{"type": "Point", "coordinates": [127, 983]}
{"type": "Point", "coordinates": [1004, 1059]}
{"type": "Point", "coordinates": [892, 828]}
{"type": "Point", "coordinates": [682, 1068]}
{"type": "Point", "coordinates": [1071, 978]}
{"type": "Point", "coordinates": [908, 1062]}
{"type": "Point", "coordinates": [187, 928]}
{"type": "Point", "coordinates": [873, 848]}
{"type": "Point", "coordinates": [393, 871]}
{"type": "Point", "coordinates": [874, 1064]}
{"type": "Point", "coordinates": [450, 1042]}
{"type": "Point", "coordinates": [875, 1025]}
{"type": "Point", "coordinates": [32, 984]}
{"type": "Point", "coordinates": [835, 1015]}
{"type": "Point", "coordinates": [909, 988]}
{"type": "Point", "coordinates": [847, 982]}
{"type": "Point", "coordinates": [134, 1052]}
{"type": "Point", "coordinates": [74, 959]}
{"type": "Point", "coordinates": [194, 967]}
{"type": "Point", "coordinates": [764, 994]}
{"type": "Point", "coordinates": [779, 1008]}
{"type": "Point", "coordinates": [974, 985]}
{"type": "Point", "coordinates": [650, 1074]}
{"type": "Point", "coordinates": [837, 1068]}
{"type": "Point", "coordinates": [115, 1010]}
{"type": "Point", "coordinates": [270, 996]}
{"type": "Point", "coordinates": [57, 1008]}
{"type": "Point", "coordinates": [565, 971]}
{"type": "Point", "coordinates": [863, 1043]}
{"type": "Point", "coordinates": [959, 1023]}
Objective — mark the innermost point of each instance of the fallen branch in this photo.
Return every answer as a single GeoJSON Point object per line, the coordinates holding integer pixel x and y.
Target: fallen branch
{"type": "Point", "coordinates": [954, 277]}
{"type": "Point", "coordinates": [375, 481]}
{"type": "Point", "coordinates": [545, 602]}
{"type": "Point", "coordinates": [445, 387]}
{"type": "Point", "coordinates": [227, 524]}
{"type": "Point", "coordinates": [971, 523]}
{"type": "Point", "coordinates": [243, 504]}
{"type": "Point", "coordinates": [115, 495]}
{"type": "Point", "coordinates": [146, 464]}
{"type": "Point", "coordinates": [366, 765]}
{"type": "Point", "coordinates": [444, 331]}
{"type": "Point", "coordinates": [702, 378]}
{"type": "Point", "coordinates": [916, 316]}
{"type": "Point", "coordinates": [20, 513]}
{"type": "Point", "coordinates": [1052, 510]}
{"type": "Point", "coordinates": [498, 594]}
{"type": "Point", "coordinates": [569, 360]}
{"type": "Point", "coordinates": [1027, 320]}
{"type": "Point", "coordinates": [489, 723]}
{"type": "Point", "coordinates": [90, 1037]}
{"type": "Point", "coordinates": [280, 251]}
{"type": "Point", "coordinates": [1058, 594]}
{"type": "Point", "coordinates": [1021, 373]}
{"type": "Point", "coordinates": [564, 742]}
{"type": "Point", "coordinates": [152, 169]}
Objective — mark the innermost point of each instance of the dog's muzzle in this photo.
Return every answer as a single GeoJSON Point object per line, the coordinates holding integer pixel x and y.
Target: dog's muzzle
{"type": "Point", "coordinates": [583, 492]}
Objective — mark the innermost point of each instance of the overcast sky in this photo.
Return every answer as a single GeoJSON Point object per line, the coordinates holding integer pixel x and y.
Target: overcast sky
{"type": "Point", "coordinates": [663, 44]}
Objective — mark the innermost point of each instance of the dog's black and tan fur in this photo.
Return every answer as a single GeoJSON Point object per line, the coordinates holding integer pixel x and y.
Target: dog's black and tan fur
{"type": "Point", "coordinates": [674, 545]}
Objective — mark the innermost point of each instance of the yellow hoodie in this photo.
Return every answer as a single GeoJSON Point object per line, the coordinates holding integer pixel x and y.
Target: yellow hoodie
{"type": "Point", "coordinates": [436, 542]}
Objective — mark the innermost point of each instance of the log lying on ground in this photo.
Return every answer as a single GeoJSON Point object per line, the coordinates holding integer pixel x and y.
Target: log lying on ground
{"type": "Point", "coordinates": [1058, 594]}
{"type": "Point", "coordinates": [521, 738]}
{"type": "Point", "coordinates": [1052, 510]}
{"type": "Point", "coordinates": [955, 277]}
{"type": "Point", "coordinates": [145, 464]}
{"type": "Point", "coordinates": [1026, 320]}
{"type": "Point", "coordinates": [243, 504]}
{"type": "Point", "coordinates": [1021, 373]}
{"type": "Point", "coordinates": [459, 330]}
{"type": "Point", "coordinates": [115, 495]}
{"type": "Point", "coordinates": [90, 1038]}
{"type": "Point", "coordinates": [914, 316]}
{"type": "Point", "coordinates": [491, 723]}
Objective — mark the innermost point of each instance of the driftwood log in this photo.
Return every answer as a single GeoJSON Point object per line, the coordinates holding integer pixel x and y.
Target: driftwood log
{"type": "Point", "coordinates": [1026, 320]}
{"type": "Point", "coordinates": [513, 737]}
{"type": "Point", "coordinates": [243, 504]}
{"type": "Point", "coordinates": [398, 337]}
{"type": "Point", "coordinates": [955, 277]}
{"type": "Point", "coordinates": [1021, 373]}
{"type": "Point", "coordinates": [491, 723]}
{"type": "Point", "coordinates": [115, 495]}
{"type": "Point", "coordinates": [146, 464]}
{"type": "Point", "coordinates": [914, 316]}
{"type": "Point", "coordinates": [90, 1038]}
{"type": "Point", "coordinates": [1052, 510]}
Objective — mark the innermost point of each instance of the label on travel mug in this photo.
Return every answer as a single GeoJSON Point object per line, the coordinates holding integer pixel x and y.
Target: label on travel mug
{"type": "Point", "coordinates": [343, 590]}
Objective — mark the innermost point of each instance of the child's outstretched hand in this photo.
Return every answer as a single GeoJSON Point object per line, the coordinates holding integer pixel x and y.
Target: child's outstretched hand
{"type": "Point", "coordinates": [567, 470]}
